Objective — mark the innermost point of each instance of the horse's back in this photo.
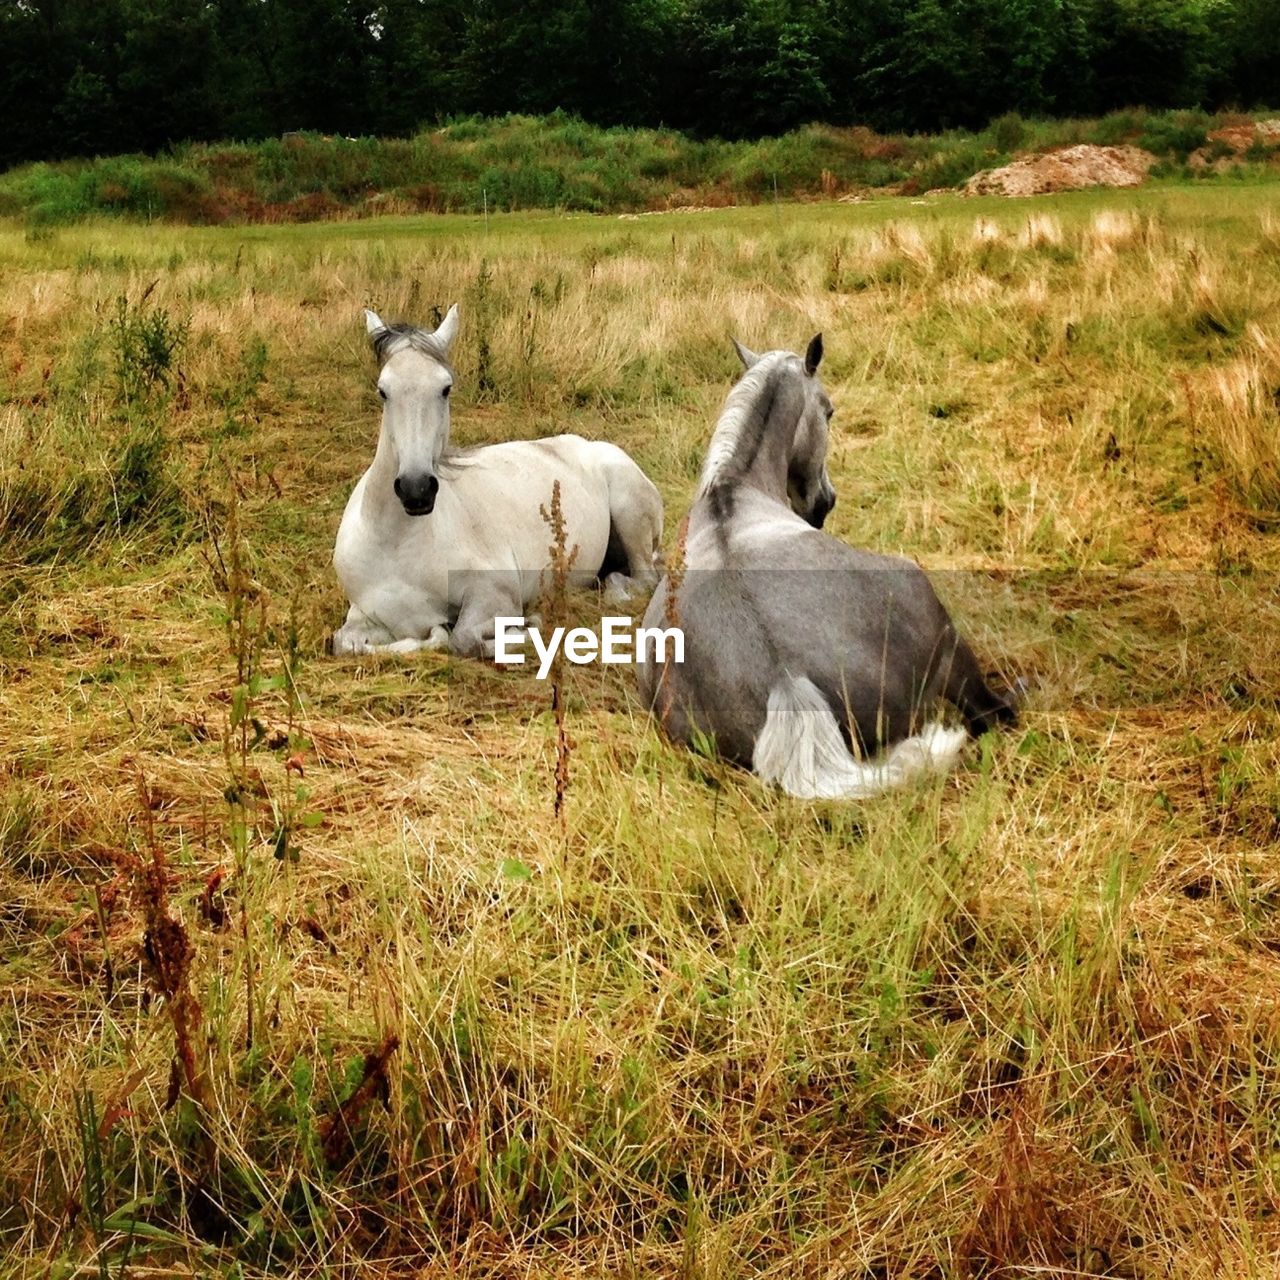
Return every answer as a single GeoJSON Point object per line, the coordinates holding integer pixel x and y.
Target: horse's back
{"type": "Point", "coordinates": [631, 499]}
{"type": "Point", "coordinates": [506, 491]}
{"type": "Point", "coordinates": [617, 470]}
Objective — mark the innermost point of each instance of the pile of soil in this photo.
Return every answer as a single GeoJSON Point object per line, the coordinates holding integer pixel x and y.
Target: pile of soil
{"type": "Point", "coordinates": [1227, 146]}
{"type": "Point", "coordinates": [1069, 169]}
{"type": "Point", "coordinates": [1240, 137]}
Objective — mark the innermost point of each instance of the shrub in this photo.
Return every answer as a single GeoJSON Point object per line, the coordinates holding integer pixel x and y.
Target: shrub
{"type": "Point", "coordinates": [1177, 135]}
{"type": "Point", "coordinates": [1118, 127]}
{"type": "Point", "coordinates": [147, 343]}
{"type": "Point", "coordinates": [951, 167]}
{"type": "Point", "coordinates": [1009, 132]}
{"type": "Point", "coordinates": [57, 501]}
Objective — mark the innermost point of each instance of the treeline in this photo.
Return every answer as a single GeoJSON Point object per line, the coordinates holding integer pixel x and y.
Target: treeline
{"type": "Point", "coordinates": [84, 77]}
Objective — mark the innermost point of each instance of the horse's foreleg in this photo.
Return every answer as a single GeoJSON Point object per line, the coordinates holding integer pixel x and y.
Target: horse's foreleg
{"type": "Point", "coordinates": [358, 634]}
{"type": "Point", "coordinates": [475, 632]}
{"type": "Point", "coordinates": [361, 634]}
{"type": "Point", "coordinates": [436, 638]}
{"type": "Point", "coordinates": [620, 589]}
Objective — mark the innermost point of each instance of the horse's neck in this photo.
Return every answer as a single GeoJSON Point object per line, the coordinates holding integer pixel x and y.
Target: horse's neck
{"type": "Point", "coordinates": [768, 469]}
{"type": "Point", "coordinates": [753, 439]}
{"type": "Point", "coordinates": [379, 482]}
{"type": "Point", "coordinates": [379, 506]}
{"type": "Point", "coordinates": [760, 463]}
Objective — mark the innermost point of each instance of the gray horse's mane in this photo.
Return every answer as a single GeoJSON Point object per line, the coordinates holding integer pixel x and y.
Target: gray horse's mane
{"type": "Point", "coordinates": [741, 425]}
{"type": "Point", "coordinates": [398, 337]}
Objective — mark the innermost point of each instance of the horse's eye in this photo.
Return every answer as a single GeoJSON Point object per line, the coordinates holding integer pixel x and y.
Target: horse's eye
{"type": "Point", "coordinates": [446, 391]}
{"type": "Point", "coordinates": [382, 393]}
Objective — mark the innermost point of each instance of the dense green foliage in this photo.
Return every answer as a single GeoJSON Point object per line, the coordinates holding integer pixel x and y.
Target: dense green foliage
{"type": "Point", "coordinates": [89, 76]}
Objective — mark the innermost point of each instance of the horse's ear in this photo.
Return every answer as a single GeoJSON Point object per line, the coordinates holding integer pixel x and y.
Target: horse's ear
{"type": "Point", "coordinates": [813, 356]}
{"type": "Point", "coordinates": [448, 329]}
{"type": "Point", "coordinates": [373, 322]}
{"type": "Point", "coordinates": [745, 354]}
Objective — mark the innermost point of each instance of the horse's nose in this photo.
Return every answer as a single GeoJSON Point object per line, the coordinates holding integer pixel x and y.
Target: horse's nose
{"type": "Point", "coordinates": [822, 508]}
{"type": "Point", "coordinates": [417, 494]}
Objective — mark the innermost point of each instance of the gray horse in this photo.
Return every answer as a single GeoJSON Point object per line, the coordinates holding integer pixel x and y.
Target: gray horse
{"type": "Point", "coordinates": [819, 666]}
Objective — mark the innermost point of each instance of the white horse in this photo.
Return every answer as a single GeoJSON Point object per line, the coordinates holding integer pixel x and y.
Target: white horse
{"type": "Point", "coordinates": [436, 543]}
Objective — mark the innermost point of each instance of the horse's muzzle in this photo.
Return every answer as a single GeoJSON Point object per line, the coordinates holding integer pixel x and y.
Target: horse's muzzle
{"type": "Point", "coordinates": [822, 508]}
{"type": "Point", "coordinates": [417, 494]}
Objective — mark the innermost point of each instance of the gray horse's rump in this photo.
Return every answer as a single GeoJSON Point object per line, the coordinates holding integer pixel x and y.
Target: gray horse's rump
{"type": "Point", "coordinates": [872, 635]}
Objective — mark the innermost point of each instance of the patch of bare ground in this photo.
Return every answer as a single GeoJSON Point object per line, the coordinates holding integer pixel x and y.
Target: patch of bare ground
{"type": "Point", "coordinates": [1231, 145]}
{"type": "Point", "coordinates": [1069, 169]}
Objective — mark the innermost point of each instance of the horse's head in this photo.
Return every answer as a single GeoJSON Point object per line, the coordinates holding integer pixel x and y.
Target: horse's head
{"type": "Point", "coordinates": [809, 487]}
{"type": "Point", "coordinates": [414, 379]}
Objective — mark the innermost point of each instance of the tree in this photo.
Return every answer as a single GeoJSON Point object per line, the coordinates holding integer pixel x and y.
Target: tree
{"type": "Point", "coordinates": [30, 83]}
{"type": "Point", "coordinates": [413, 59]}
{"type": "Point", "coordinates": [316, 60]}
{"type": "Point", "coordinates": [1153, 53]}
{"type": "Point", "coordinates": [752, 68]}
{"type": "Point", "coordinates": [164, 87]}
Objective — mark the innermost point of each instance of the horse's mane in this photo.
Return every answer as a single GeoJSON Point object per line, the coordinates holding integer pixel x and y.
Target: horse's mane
{"type": "Point", "coordinates": [398, 337]}
{"type": "Point", "coordinates": [741, 425]}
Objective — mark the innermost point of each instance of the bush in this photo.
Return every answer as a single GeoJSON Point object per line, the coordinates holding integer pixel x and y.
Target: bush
{"type": "Point", "coordinates": [951, 167]}
{"type": "Point", "coordinates": [147, 344]}
{"type": "Point", "coordinates": [1117, 128]}
{"type": "Point", "coordinates": [58, 501]}
{"type": "Point", "coordinates": [1009, 132]}
{"type": "Point", "coordinates": [1177, 135]}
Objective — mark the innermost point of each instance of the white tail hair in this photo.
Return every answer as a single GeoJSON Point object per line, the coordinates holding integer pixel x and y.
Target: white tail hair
{"type": "Point", "coordinates": [800, 749]}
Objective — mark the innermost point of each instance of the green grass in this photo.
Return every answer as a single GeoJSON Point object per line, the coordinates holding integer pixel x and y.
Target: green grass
{"type": "Point", "coordinates": [557, 162]}
{"type": "Point", "coordinates": [1020, 1022]}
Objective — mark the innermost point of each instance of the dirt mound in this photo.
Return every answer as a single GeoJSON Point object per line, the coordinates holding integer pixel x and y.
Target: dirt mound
{"type": "Point", "coordinates": [1234, 144]}
{"type": "Point", "coordinates": [1067, 170]}
{"type": "Point", "coordinates": [1240, 137]}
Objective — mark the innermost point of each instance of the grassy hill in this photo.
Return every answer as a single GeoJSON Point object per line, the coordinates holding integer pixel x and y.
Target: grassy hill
{"type": "Point", "coordinates": [560, 163]}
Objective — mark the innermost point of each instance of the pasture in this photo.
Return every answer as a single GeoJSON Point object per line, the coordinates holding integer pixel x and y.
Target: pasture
{"type": "Point", "coordinates": [413, 1003]}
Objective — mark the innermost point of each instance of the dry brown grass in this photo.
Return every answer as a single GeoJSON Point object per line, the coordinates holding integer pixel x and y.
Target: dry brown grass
{"type": "Point", "coordinates": [1020, 1023]}
{"type": "Point", "coordinates": [1244, 426]}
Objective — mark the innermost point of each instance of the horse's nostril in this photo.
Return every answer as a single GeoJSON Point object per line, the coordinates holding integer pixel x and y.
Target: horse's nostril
{"type": "Point", "coordinates": [417, 492]}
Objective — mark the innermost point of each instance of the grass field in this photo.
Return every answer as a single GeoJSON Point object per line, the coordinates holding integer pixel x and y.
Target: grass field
{"type": "Point", "coordinates": [393, 1015]}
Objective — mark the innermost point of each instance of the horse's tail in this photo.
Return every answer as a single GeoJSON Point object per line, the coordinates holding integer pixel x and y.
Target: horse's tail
{"type": "Point", "coordinates": [800, 748]}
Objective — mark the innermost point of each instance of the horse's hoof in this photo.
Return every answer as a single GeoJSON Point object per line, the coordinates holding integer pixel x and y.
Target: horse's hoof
{"type": "Point", "coordinates": [343, 645]}
{"type": "Point", "coordinates": [619, 589]}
